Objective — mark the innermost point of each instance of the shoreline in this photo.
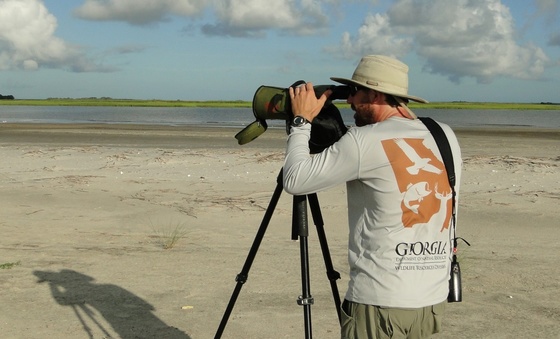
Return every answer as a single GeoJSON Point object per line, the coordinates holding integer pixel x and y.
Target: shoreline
{"type": "Point", "coordinates": [484, 139]}
{"type": "Point", "coordinates": [195, 129]}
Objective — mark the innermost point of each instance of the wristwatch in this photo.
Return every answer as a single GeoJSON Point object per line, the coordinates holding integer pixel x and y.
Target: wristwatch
{"type": "Point", "coordinates": [299, 121]}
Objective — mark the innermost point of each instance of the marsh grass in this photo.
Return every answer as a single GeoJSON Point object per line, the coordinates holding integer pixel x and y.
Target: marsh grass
{"type": "Point", "coordinates": [248, 104]}
{"type": "Point", "coordinates": [123, 103]}
{"type": "Point", "coordinates": [169, 236]}
{"type": "Point", "coordinates": [9, 265]}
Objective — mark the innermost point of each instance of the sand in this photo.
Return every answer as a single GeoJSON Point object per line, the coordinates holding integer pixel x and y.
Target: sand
{"type": "Point", "coordinates": [87, 212]}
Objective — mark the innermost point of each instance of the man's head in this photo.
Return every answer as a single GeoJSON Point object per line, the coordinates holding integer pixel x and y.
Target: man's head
{"type": "Point", "coordinates": [382, 78]}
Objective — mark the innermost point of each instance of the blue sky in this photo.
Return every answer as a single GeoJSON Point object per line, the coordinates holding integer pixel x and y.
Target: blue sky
{"type": "Point", "coordinates": [470, 50]}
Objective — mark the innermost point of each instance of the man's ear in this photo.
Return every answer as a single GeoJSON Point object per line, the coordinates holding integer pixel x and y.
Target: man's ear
{"type": "Point", "coordinates": [377, 97]}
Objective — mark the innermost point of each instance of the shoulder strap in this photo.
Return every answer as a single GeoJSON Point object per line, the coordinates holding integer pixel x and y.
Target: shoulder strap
{"type": "Point", "coordinates": [447, 157]}
{"type": "Point", "coordinates": [444, 148]}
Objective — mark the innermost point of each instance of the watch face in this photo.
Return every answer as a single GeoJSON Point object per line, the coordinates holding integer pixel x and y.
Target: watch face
{"type": "Point", "coordinates": [298, 121]}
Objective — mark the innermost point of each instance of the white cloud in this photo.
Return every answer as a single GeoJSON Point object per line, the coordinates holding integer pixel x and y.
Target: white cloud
{"type": "Point", "coordinates": [255, 17]}
{"type": "Point", "coordinates": [138, 12]}
{"type": "Point", "coordinates": [242, 18]}
{"type": "Point", "coordinates": [374, 36]}
{"type": "Point", "coordinates": [30, 65]}
{"type": "Point", "coordinates": [28, 41]}
{"type": "Point", "coordinates": [461, 38]}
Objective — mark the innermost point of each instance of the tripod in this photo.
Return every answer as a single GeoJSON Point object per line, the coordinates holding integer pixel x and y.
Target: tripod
{"type": "Point", "coordinates": [299, 229]}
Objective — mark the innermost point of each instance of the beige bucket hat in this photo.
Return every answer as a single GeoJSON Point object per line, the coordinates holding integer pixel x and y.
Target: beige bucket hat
{"type": "Point", "coordinates": [383, 74]}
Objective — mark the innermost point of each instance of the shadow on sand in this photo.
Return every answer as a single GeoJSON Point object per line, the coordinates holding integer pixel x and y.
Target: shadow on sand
{"type": "Point", "coordinates": [128, 315]}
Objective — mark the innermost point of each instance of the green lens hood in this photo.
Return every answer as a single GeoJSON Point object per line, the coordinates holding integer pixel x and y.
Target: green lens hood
{"type": "Point", "coordinates": [271, 103]}
{"type": "Point", "coordinates": [251, 132]}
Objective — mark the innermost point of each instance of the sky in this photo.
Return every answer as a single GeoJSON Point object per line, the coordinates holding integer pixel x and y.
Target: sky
{"type": "Point", "coordinates": [460, 50]}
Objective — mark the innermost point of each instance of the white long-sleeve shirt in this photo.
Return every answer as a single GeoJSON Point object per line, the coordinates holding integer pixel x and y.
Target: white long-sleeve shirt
{"type": "Point", "coordinates": [399, 207]}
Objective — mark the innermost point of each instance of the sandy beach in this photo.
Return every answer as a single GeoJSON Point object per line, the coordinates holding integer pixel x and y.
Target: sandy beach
{"type": "Point", "coordinates": [89, 214]}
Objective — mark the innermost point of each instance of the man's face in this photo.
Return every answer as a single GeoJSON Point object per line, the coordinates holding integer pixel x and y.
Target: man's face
{"type": "Point", "coordinates": [360, 101]}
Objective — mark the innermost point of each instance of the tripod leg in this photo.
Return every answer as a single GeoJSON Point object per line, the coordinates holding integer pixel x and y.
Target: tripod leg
{"type": "Point", "coordinates": [332, 274]}
{"type": "Point", "coordinates": [299, 223]}
{"type": "Point", "coordinates": [244, 274]}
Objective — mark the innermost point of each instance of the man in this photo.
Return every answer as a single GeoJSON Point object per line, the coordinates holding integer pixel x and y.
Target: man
{"type": "Point", "coordinates": [399, 201]}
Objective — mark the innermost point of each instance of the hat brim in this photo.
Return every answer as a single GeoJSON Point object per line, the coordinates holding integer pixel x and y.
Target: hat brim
{"type": "Point", "coordinates": [345, 81]}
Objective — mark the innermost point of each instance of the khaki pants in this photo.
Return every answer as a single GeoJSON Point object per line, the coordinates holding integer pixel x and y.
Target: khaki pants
{"type": "Point", "coordinates": [374, 322]}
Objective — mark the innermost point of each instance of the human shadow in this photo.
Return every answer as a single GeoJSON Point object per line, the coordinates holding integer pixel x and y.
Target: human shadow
{"type": "Point", "coordinates": [129, 315]}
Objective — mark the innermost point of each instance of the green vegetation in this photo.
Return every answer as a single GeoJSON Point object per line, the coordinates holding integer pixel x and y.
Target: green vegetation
{"type": "Point", "coordinates": [8, 265]}
{"type": "Point", "coordinates": [123, 103]}
{"type": "Point", "coordinates": [169, 237]}
{"type": "Point", "coordinates": [481, 105]}
{"type": "Point", "coordinates": [247, 104]}
{"type": "Point", "coordinates": [487, 105]}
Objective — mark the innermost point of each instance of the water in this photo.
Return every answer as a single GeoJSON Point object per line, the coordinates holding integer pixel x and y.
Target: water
{"type": "Point", "coordinates": [240, 117]}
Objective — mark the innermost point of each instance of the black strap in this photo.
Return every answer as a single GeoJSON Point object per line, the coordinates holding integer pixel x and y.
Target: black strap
{"type": "Point", "coordinates": [444, 148]}
{"type": "Point", "coordinates": [447, 157]}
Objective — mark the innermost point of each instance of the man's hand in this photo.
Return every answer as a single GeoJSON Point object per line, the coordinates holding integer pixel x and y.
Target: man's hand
{"type": "Point", "coordinates": [305, 102]}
